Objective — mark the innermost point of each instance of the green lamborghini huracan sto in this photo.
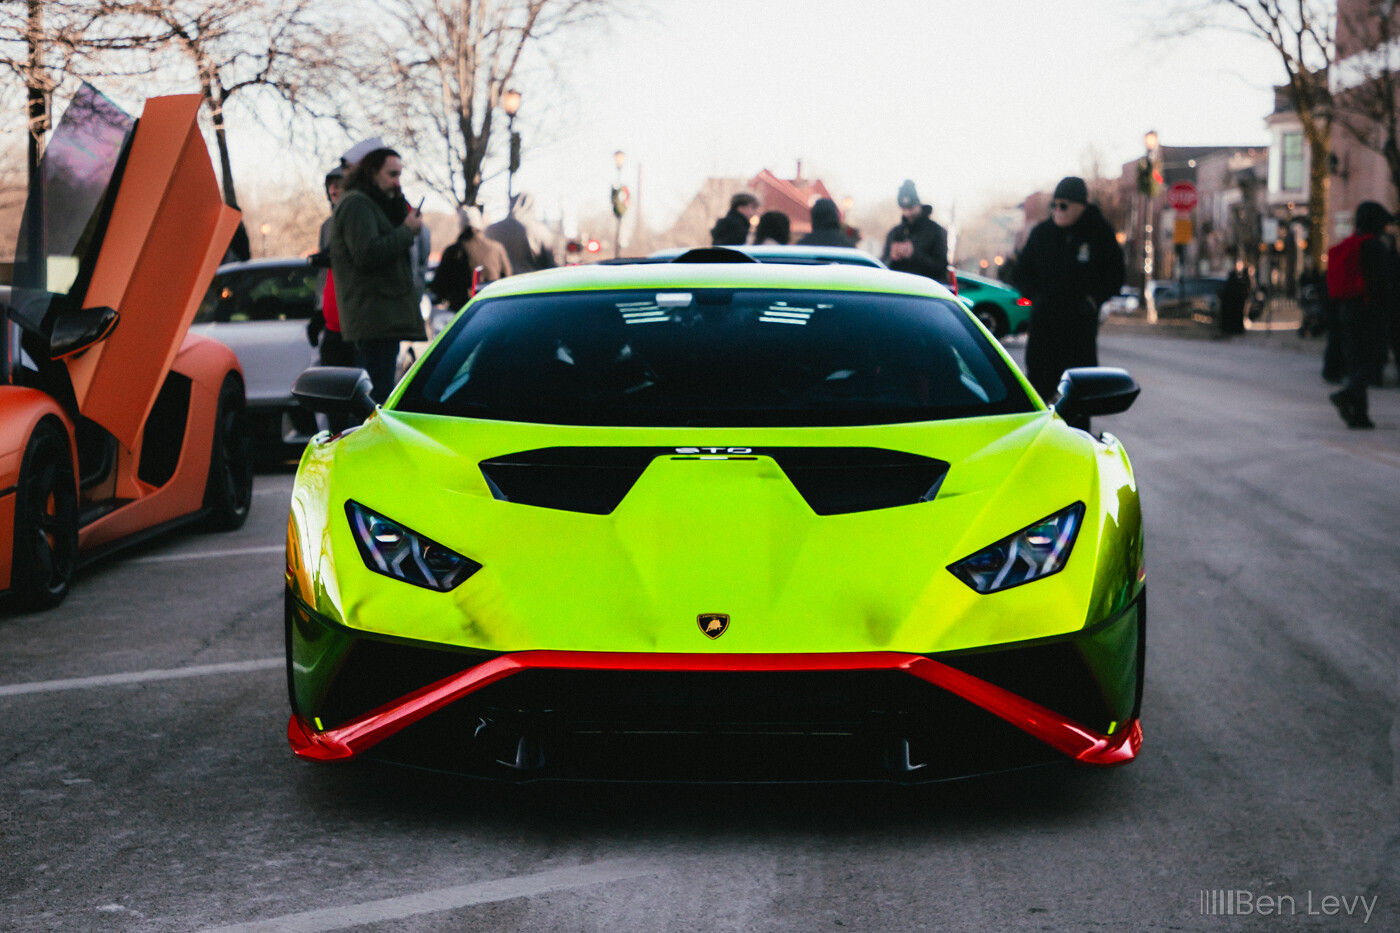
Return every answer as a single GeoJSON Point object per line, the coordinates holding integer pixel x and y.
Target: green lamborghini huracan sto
{"type": "Point", "coordinates": [716, 520]}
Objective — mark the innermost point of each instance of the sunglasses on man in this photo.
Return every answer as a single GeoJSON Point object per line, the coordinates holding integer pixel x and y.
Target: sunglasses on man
{"type": "Point", "coordinates": [1060, 205]}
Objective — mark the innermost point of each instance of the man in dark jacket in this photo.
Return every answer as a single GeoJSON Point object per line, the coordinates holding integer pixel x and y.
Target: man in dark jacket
{"type": "Point", "coordinates": [372, 232]}
{"type": "Point", "coordinates": [917, 244]}
{"type": "Point", "coordinates": [733, 228]}
{"type": "Point", "coordinates": [1071, 265]}
{"type": "Point", "coordinates": [826, 226]}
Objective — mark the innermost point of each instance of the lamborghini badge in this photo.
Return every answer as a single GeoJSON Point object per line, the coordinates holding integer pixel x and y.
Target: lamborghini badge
{"type": "Point", "coordinates": [713, 624]}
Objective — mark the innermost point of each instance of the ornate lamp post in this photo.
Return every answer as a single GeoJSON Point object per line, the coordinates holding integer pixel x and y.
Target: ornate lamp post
{"type": "Point", "coordinates": [1147, 184]}
{"type": "Point", "coordinates": [510, 103]}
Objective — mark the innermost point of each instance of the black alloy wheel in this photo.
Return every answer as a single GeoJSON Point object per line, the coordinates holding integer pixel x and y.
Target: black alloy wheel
{"type": "Point", "coordinates": [992, 318]}
{"type": "Point", "coordinates": [229, 490]}
{"type": "Point", "coordinates": [46, 521]}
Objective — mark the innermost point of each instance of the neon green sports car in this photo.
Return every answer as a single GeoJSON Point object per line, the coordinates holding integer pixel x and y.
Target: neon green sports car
{"type": "Point", "coordinates": [716, 520]}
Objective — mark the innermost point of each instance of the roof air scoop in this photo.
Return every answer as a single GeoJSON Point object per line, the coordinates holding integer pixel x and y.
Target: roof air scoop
{"type": "Point", "coordinates": [713, 254]}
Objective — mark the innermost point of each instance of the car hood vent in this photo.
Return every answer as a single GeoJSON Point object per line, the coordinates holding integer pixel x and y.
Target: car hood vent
{"type": "Point", "coordinates": [832, 480]}
{"type": "Point", "coordinates": [837, 480]}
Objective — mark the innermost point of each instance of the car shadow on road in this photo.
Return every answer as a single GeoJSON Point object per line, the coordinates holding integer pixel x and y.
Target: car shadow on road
{"type": "Point", "coordinates": [1044, 795]}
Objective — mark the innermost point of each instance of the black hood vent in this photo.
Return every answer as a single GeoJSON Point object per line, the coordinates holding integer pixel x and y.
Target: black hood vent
{"type": "Point", "coordinates": [837, 480]}
{"type": "Point", "coordinates": [574, 479]}
{"type": "Point", "coordinates": [832, 480]}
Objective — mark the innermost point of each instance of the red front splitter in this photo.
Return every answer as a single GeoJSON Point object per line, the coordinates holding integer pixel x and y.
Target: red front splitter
{"type": "Point", "coordinates": [1078, 742]}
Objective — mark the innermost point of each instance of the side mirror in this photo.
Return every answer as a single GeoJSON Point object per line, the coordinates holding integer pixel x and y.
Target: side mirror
{"type": "Point", "coordinates": [335, 390]}
{"type": "Point", "coordinates": [1088, 391]}
{"type": "Point", "coordinates": [76, 331]}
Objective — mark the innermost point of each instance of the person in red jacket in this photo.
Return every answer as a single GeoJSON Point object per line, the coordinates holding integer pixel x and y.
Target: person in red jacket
{"type": "Point", "coordinates": [1357, 280]}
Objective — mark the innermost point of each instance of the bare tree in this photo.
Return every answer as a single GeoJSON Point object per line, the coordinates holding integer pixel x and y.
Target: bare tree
{"type": "Point", "coordinates": [1303, 33]}
{"type": "Point", "coordinates": [44, 43]}
{"type": "Point", "coordinates": [1366, 85]}
{"type": "Point", "coordinates": [289, 49]}
{"type": "Point", "coordinates": [450, 62]}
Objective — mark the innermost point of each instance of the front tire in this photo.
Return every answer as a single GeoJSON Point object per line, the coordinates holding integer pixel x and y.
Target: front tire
{"type": "Point", "coordinates": [46, 521]}
{"type": "Point", "coordinates": [992, 318]}
{"type": "Point", "coordinates": [228, 492]}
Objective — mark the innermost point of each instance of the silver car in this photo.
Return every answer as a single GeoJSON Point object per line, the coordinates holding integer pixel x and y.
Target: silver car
{"type": "Point", "coordinates": [260, 309]}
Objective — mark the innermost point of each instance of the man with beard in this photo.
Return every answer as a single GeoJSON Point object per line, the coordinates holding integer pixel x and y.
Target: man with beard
{"type": "Point", "coordinates": [917, 244]}
{"type": "Point", "coordinates": [1071, 264]}
{"type": "Point", "coordinates": [372, 233]}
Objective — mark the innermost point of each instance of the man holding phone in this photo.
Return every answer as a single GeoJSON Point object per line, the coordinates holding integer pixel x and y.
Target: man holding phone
{"type": "Point", "coordinates": [372, 244]}
{"type": "Point", "coordinates": [917, 244]}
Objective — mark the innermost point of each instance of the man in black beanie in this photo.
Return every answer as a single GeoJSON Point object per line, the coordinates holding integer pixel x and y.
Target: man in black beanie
{"type": "Point", "coordinates": [917, 244]}
{"type": "Point", "coordinates": [1071, 264]}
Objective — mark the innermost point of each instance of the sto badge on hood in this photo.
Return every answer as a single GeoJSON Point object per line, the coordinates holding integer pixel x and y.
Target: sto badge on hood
{"type": "Point", "coordinates": [713, 624]}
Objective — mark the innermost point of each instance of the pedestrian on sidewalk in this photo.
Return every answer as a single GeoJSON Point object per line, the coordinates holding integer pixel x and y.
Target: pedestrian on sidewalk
{"type": "Point", "coordinates": [733, 228]}
{"type": "Point", "coordinates": [528, 242]}
{"type": "Point", "coordinates": [1071, 264]}
{"type": "Point", "coordinates": [455, 280]}
{"type": "Point", "coordinates": [826, 226]}
{"type": "Point", "coordinates": [917, 244]}
{"type": "Point", "coordinates": [1234, 295]}
{"type": "Point", "coordinates": [773, 227]}
{"type": "Point", "coordinates": [1358, 280]}
{"type": "Point", "coordinates": [372, 238]}
{"type": "Point", "coordinates": [323, 330]}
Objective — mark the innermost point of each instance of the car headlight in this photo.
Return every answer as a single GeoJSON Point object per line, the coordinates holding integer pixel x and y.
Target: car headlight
{"type": "Point", "coordinates": [1034, 552]}
{"type": "Point", "coordinates": [395, 551]}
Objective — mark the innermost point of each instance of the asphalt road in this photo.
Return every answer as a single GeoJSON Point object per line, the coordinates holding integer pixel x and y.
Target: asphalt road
{"type": "Point", "coordinates": [146, 783]}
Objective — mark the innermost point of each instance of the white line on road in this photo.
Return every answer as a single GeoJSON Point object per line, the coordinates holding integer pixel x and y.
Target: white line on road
{"type": "Point", "coordinates": [202, 555]}
{"type": "Point", "coordinates": [483, 892]}
{"type": "Point", "coordinates": [141, 677]}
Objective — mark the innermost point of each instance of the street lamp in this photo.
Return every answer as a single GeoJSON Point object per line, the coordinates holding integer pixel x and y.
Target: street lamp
{"type": "Point", "coordinates": [619, 202]}
{"type": "Point", "coordinates": [510, 103]}
{"type": "Point", "coordinates": [1147, 184]}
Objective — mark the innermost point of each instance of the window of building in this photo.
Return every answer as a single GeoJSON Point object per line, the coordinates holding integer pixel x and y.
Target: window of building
{"type": "Point", "coordinates": [1292, 178]}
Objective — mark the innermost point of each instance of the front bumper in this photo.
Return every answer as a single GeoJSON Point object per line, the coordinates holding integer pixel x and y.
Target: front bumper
{"type": "Point", "coordinates": [537, 715]}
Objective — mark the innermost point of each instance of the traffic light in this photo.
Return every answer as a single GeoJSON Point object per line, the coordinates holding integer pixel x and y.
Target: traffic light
{"type": "Point", "coordinates": [620, 197]}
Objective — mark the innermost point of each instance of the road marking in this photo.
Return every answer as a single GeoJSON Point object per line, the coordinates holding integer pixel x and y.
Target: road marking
{"type": "Point", "coordinates": [203, 555]}
{"type": "Point", "coordinates": [141, 677]}
{"type": "Point", "coordinates": [428, 902]}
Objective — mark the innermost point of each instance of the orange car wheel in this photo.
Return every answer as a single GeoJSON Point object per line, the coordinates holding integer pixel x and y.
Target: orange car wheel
{"type": "Point", "coordinates": [46, 520]}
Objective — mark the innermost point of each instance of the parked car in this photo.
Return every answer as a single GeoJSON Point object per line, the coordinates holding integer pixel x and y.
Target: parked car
{"type": "Point", "coordinates": [260, 309]}
{"type": "Point", "coordinates": [1000, 307]}
{"type": "Point", "coordinates": [1127, 301]}
{"type": "Point", "coordinates": [116, 423]}
{"type": "Point", "coordinates": [1185, 298]}
{"type": "Point", "coordinates": [716, 520]}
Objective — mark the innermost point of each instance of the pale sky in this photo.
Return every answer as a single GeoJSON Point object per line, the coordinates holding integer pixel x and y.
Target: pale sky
{"type": "Point", "coordinates": [975, 101]}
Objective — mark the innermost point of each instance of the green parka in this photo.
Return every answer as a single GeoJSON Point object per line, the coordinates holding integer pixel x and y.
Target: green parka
{"type": "Point", "coordinates": [374, 284]}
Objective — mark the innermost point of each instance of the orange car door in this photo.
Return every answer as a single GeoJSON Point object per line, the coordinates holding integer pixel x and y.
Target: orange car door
{"type": "Point", "coordinates": [167, 232]}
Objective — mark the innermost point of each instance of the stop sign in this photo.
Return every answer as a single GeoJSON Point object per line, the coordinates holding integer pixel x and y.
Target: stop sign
{"type": "Point", "coordinates": [1182, 196]}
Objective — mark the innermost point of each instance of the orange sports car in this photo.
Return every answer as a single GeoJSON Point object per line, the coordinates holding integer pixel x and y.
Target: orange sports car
{"type": "Point", "coordinates": [115, 423]}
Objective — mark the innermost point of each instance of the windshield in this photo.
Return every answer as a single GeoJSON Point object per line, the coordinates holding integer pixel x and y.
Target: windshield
{"type": "Point", "coordinates": [716, 357]}
{"type": "Point", "coordinates": [260, 293]}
